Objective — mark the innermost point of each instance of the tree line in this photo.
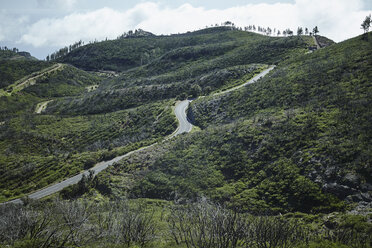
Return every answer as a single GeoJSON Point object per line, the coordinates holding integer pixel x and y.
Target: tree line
{"type": "Point", "coordinates": [135, 33]}
{"type": "Point", "coordinates": [286, 32]}
{"type": "Point", "coordinates": [64, 51]}
{"type": "Point", "coordinates": [5, 48]}
{"type": "Point", "coordinates": [268, 30]}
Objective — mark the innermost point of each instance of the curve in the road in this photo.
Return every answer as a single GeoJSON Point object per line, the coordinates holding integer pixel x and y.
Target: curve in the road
{"type": "Point", "coordinates": [184, 124]}
{"type": "Point", "coordinates": [184, 127]}
{"type": "Point", "coordinates": [250, 81]}
{"type": "Point", "coordinates": [41, 106]}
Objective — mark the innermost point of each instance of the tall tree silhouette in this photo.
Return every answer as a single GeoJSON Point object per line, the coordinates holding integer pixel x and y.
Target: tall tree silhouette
{"type": "Point", "coordinates": [366, 23]}
{"type": "Point", "coordinates": [299, 31]}
{"type": "Point", "coordinates": [315, 30]}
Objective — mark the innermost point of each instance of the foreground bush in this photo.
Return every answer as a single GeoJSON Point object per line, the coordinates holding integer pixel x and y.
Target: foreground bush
{"type": "Point", "coordinates": [201, 224]}
{"type": "Point", "coordinates": [75, 224]}
{"type": "Point", "coordinates": [204, 224]}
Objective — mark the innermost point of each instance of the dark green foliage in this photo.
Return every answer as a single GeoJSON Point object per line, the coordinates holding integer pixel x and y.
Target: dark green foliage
{"type": "Point", "coordinates": [40, 149]}
{"type": "Point", "coordinates": [123, 54]}
{"type": "Point", "coordinates": [14, 54]}
{"type": "Point", "coordinates": [15, 105]}
{"type": "Point", "coordinates": [286, 143]}
{"type": "Point", "coordinates": [332, 77]}
{"type": "Point", "coordinates": [166, 67]}
{"type": "Point", "coordinates": [82, 187]}
{"type": "Point", "coordinates": [247, 165]}
{"type": "Point", "coordinates": [325, 97]}
{"type": "Point", "coordinates": [7, 54]}
{"type": "Point", "coordinates": [13, 70]}
{"type": "Point", "coordinates": [114, 95]}
{"type": "Point", "coordinates": [295, 139]}
{"type": "Point", "coordinates": [236, 46]}
{"type": "Point", "coordinates": [66, 82]}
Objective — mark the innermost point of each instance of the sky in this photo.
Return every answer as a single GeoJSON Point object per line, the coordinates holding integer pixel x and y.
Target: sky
{"type": "Point", "coordinates": [43, 26]}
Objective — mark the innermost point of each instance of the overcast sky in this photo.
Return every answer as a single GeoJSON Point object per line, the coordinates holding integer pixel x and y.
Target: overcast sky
{"type": "Point", "coordinates": [43, 26]}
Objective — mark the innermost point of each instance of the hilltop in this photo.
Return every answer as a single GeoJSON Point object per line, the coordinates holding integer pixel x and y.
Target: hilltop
{"type": "Point", "coordinates": [178, 66]}
{"type": "Point", "coordinates": [124, 54]}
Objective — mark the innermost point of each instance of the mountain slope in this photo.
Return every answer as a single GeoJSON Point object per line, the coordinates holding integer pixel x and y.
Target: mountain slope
{"type": "Point", "coordinates": [12, 69]}
{"type": "Point", "coordinates": [298, 140]}
{"type": "Point", "coordinates": [324, 100]}
{"type": "Point", "coordinates": [40, 149]}
{"type": "Point", "coordinates": [81, 126]}
{"type": "Point", "coordinates": [188, 65]}
{"type": "Point", "coordinates": [123, 54]}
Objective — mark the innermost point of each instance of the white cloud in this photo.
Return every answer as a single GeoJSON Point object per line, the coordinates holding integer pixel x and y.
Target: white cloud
{"type": "Point", "coordinates": [337, 19]}
{"type": "Point", "coordinates": [65, 4]}
{"type": "Point", "coordinates": [9, 24]}
{"type": "Point", "coordinates": [98, 24]}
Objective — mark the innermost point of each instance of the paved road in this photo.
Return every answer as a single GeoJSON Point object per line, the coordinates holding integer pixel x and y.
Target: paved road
{"type": "Point", "coordinates": [184, 126]}
{"type": "Point", "coordinates": [41, 106]}
{"type": "Point", "coordinates": [250, 81]}
{"type": "Point", "coordinates": [316, 42]}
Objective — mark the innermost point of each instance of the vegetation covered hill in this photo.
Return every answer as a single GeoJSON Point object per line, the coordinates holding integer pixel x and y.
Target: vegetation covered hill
{"type": "Point", "coordinates": [325, 108]}
{"type": "Point", "coordinates": [40, 149]}
{"type": "Point", "coordinates": [88, 117]}
{"type": "Point", "coordinates": [188, 65]}
{"type": "Point", "coordinates": [296, 141]}
{"type": "Point", "coordinates": [14, 66]}
{"type": "Point", "coordinates": [299, 140]}
{"type": "Point", "coordinates": [14, 54]}
{"type": "Point", "coordinates": [123, 54]}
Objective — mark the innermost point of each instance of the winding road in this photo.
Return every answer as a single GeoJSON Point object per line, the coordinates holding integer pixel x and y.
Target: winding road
{"type": "Point", "coordinates": [250, 81]}
{"type": "Point", "coordinates": [41, 107]}
{"type": "Point", "coordinates": [184, 127]}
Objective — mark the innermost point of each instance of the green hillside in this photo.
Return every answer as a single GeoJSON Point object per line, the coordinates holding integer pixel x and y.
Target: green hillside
{"type": "Point", "coordinates": [191, 64]}
{"type": "Point", "coordinates": [72, 103]}
{"type": "Point", "coordinates": [68, 81]}
{"type": "Point", "coordinates": [298, 140]}
{"type": "Point", "coordinates": [40, 149]}
{"type": "Point", "coordinates": [278, 163]}
{"type": "Point", "coordinates": [14, 54]}
{"type": "Point", "coordinates": [13, 70]}
{"type": "Point", "coordinates": [159, 53]}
